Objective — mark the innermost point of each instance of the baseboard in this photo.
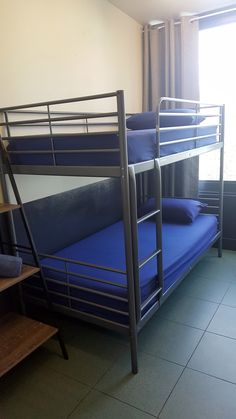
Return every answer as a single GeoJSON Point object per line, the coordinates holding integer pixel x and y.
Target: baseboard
{"type": "Point", "coordinates": [229, 244]}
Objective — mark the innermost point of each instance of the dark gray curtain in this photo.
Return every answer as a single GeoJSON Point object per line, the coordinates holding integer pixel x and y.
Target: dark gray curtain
{"type": "Point", "coordinates": [170, 68]}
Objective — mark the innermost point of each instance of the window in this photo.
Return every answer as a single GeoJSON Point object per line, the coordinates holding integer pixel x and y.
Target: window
{"type": "Point", "coordinates": [217, 70]}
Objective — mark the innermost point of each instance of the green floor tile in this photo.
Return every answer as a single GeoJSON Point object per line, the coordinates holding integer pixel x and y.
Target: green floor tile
{"type": "Point", "coordinates": [224, 322]}
{"type": "Point", "coordinates": [100, 406]}
{"type": "Point", "coordinates": [199, 396]}
{"type": "Point", "coordinates": [217, 268]}
{"type": "Point", "coordinates": [230, 296]}
{"type": "Point", "coordinates": [169, 340]}
{"type": "Point", "coordinates": [90, 355]}
{"type": "Point", "coordinates": [29, 392]}
{"type": "Point", "coordinates": [216, 355]}
{"type": "Point", "coordinates": [146, 390]}
{"type": "Point", "coordinates": [209, 289]}
{"type": "Point", "coordinates": [189, 311]}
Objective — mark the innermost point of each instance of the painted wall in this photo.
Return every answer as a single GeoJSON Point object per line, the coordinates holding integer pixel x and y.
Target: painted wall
{"type": "Point", "coordinates": [53, 49]}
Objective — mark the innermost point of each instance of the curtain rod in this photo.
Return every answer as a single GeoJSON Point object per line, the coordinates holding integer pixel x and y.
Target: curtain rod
{"type": "Point", "coordinates": [212, 14]}
{"type": "Point", "coordinates": [198, 17]}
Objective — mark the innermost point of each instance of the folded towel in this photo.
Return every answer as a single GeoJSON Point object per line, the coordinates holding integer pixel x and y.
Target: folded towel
{"type": "Point", "coordinates": [10, 266]}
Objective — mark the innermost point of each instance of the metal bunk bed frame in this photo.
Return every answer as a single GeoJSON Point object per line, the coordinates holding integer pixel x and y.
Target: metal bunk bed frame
{"type": "Point", "coordinates": [127, 174]}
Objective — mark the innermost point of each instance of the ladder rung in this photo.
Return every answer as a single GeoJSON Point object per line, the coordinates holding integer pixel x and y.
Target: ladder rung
{"type": "Point", "coordinates": [146, 260]}
{"type": "Point", "coordinates": [150, 298]}
{"type": "Point", "coordinates": [146, 216]}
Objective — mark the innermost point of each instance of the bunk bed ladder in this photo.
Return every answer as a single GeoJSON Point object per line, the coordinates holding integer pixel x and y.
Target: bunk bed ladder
{"type": "Point", "coordinates": [7, 170]}
{"type": "Point", "coordinates": [147, 306]}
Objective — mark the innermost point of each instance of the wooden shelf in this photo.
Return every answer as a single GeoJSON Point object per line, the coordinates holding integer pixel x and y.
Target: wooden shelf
{"type": "Point", "coordinates": [20, 336]}
{"type": "Point", "coordinates": [8, 207]}
{"type": "Point", "coordinates": [27, 271]}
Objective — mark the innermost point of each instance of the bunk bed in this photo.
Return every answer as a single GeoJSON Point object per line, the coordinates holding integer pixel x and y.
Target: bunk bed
{"type": "Point", "coordinates": [120, 275]}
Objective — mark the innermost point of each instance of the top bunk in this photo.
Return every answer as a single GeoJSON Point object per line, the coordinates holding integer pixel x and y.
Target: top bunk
{"type": "Point", "coordinates": [64, 137]}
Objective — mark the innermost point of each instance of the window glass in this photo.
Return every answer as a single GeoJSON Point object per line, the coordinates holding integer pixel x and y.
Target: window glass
{"type": "Point", "coordinates": [217, 70]}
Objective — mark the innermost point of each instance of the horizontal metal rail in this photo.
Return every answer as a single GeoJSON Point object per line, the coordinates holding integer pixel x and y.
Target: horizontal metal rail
{"type": "Point", "coordinates": [79, 262]}
{"type": "Point", "coordinates": [162, 113]}
{"type": "Point", "coordinates": [84, 124]}
{"type": "Point", "coordinates": [196, 102]}
{"type": "Point", "coordinates": [211, 207]}
{"type": "Point", "coordinates": [70, 297]}
{"type": "Point", "coordinates": [149, 165]}
{"type": "Point", "coordinates": [61, 118]}
{"type": "Point", "coordinates": [147, 216]}
{"type": "Point", "coordinates": [84, 276]}
{"type": "Point", "coordinates": [185, 140]}
{"type": "Point", "coordinates": [150, 298]}
{"type": "Point", "coordinates": [146, 260]}
{"type": "Point", "coordinates": [186, 127]}
{"type": "Point", "coordinates": [148, 314]}
{"type": "Point", "coordinates": [26, 249]}
{"type": "Point", "coordinates": [209, 198]}
{"type": "Point", "coordinates": [58, 135]}
{"type": "Point", "coordinates": [101, 321]}
{"type": "Point", "coordinates": [60, 101]}
{"type": "Point", "coordinates": [172, 158]}
{"type": "Point", "coordinates": [193, 113]}
{"type": "Point", "coordinates": [81, 151]}
{"type": "Point", "coordinates": [89, 290]}
{"type": "Point", "coordinates": [90, 303]}
{"type": "Point", "coordinates": [38, 112]}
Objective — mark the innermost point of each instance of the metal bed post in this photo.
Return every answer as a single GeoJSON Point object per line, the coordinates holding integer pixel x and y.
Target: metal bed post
{"type": "Point", "coordinates": [221, 179]}
{"type": "Point", "coordinates": [158, 217]}
{"type": "Point", "coordinates": [124, 175]}
{"type": "Point", "coordinates": [133, 208]}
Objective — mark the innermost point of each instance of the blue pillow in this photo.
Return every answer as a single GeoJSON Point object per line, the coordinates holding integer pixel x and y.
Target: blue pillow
{"type": "Point", "coordinates": [147, 120]}
{"type": "Point", "coordinates": [174, 210]}
{"type": "Point", "coordinates": [10, 266]}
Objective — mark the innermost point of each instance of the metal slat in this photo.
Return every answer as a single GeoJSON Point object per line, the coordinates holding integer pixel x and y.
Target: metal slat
{"type": "Point", "coordinates": [146, 260]}
{"type": "Point", "coordinates": [147, 216]}
{"type": "Point", "coordinates": [58, 119]}
{"type": "Point", "coordinates": [185, 127]}
{"type": "Point", "coordinates": [52, 152]}
{"type": "Point", "coordinates": [83, 276]}
{"type": "Point", "coordinates": [150, 298]}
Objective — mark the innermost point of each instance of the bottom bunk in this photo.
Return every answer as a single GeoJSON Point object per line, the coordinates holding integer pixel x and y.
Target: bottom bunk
{"type": "Point", "coordinates": [101, 291]}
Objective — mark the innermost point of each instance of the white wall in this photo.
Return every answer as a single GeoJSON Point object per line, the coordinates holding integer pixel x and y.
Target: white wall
{"type": "Point", "coordinates": [53, 49]}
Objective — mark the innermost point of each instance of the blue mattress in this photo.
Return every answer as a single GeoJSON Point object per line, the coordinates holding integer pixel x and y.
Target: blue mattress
{"type": "Point", "coordinates": [106, 248]}
{"type": "Point", "coordinates": [142, 146]}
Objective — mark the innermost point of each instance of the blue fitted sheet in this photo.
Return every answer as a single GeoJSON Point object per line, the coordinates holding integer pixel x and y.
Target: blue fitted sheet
{"type": "Point", "coordinates": [142, 146]}
{"type": "Point", "coordinates": [106, 248]}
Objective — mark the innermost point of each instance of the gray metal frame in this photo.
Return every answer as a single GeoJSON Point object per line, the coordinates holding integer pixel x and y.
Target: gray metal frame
{"type": "Point", "coordinates": [138, 312]}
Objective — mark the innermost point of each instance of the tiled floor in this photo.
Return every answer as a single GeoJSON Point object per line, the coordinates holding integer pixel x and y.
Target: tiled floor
{"type": "Point", "coordinates": [187, 361]}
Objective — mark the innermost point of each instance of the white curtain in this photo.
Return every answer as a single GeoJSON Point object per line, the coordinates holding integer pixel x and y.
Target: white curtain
{"type": "Point", "coordinates": [170, 68]}
{"type": "Point", "coordinates": [170, 62]}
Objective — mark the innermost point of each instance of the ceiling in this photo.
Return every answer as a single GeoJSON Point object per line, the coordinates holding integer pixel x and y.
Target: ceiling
{"type": "Point", "coordinates": [146, 11]}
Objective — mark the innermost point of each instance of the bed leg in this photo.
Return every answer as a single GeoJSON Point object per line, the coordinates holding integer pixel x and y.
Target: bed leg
{"type": "Point", "coordinates": [220, 247]}
{"type": "Point", "coordinates": [134, 353]}
{"type": "Point", "coordinates": [62, 346]}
